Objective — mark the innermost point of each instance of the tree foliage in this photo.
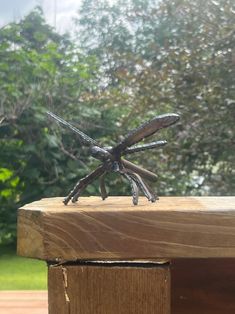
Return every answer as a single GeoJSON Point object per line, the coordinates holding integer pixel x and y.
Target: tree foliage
{"type": "Point", "coordinates": [132, 60]}
{"type": "Point", "coordinates": [161, 56]}
{"type": "Point", "coordinates": [39, 70]}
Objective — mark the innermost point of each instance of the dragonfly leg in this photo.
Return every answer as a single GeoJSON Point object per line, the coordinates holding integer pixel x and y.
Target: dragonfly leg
{"type": "Point", "coordinates": [82, 184]}
{"type": "Point", "coordinates": [134, 187]}
{"type": "Point", "coordinates": [79, 192]}
{"type": "Point", "coordinates": [103, 191]}
{"type": "Point", "coordinates": [151, 196]}
{"type": "Point", "coordinates": [155, 196]}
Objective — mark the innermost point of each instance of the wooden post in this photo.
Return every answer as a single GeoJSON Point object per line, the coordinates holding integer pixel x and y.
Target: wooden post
{"type": "Point", "coordinates": [105, 288]}
{"type": "Point", "coordinates": [113, 257]}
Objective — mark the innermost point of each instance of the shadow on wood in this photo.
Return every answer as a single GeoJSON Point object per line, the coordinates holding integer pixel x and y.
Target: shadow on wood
{"type": "Point", "coordinates": [203, 286]}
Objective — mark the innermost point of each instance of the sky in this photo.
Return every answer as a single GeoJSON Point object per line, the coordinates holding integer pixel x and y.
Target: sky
{"type": "Point", "coordinates": [13, 10]}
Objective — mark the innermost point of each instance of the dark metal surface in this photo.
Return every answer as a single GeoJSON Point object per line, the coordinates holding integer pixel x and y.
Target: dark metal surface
{"type": "Point", "coordinates": [112, 161]}
{"type": "Point", "coordinates": [140, 148]}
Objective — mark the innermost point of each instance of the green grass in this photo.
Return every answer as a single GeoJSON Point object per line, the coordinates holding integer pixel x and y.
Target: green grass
{"type": "Point", "coordinates": [18, 273]}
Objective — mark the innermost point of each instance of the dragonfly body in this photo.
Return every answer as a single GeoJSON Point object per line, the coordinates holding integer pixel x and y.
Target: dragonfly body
{"type": "Point", "coordinates": [112, 161]}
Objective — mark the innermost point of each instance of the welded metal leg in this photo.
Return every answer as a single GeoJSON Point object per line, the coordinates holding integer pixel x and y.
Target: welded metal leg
{"type": "Point", "coordinates": [82, 184]}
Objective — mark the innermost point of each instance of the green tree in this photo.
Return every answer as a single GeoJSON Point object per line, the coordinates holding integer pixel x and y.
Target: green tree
{"type": "Point", "coordinates": [39, 70]}
{"type": "Point", "coordinates": [161, 56]}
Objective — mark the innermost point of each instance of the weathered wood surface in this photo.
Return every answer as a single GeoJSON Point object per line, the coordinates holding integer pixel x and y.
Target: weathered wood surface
{"type": "Point", "coordinates": [203, 286]}
{"type": "Point", "coordinates": [115, 229]}
{"type": "Point", "coordinates": [106, 290]}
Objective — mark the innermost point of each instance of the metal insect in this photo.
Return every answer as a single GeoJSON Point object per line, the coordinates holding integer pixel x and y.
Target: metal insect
{"type": "Point", "coordinates": [112, 161]}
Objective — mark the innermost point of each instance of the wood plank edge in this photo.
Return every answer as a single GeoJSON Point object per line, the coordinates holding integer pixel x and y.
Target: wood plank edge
{"type": "Point", "coordinates": [30, 230]}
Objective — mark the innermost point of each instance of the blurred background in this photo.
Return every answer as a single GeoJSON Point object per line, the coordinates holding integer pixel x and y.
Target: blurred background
{"type": "Point", "coordinates": [107, 66]}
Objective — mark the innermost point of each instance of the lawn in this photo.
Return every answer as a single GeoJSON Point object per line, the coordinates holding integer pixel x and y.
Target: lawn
{"type": "Point", "coordinates": [18, 273]}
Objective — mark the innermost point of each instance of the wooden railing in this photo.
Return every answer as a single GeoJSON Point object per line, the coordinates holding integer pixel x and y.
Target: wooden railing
{"type": "Point", "coordinates": [112, 257]}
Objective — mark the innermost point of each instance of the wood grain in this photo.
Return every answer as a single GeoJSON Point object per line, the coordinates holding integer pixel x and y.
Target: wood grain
{"type": "Point", "coordinates": [23, 302]}
{"type": "Point", "coordinates": [115, 229]}
{"type": "Point", "coordinates": [205, 286]}
{"type": "Point", "coordinates": [105, 290]}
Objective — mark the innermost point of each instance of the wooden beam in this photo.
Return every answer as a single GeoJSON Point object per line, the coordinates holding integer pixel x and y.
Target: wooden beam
{"type": "Point", "coordinates": [109, 289]}
{"type": "Point", "coordinates": [196, 227]}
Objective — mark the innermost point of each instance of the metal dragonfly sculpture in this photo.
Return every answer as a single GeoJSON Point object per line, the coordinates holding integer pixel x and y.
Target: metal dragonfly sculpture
{"type": "Point", "coordinates": [112, 161]}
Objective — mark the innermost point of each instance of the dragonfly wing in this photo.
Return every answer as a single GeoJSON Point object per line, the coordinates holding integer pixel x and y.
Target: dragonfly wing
{"type": "Point", "coordinates": [140, 148]}
{"type": "Point", "coordinates": [84, 139]}
{"type": "Point", "coordinates": [139, 170]}
{"type": "Point", "coordinates": [145, 130]}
